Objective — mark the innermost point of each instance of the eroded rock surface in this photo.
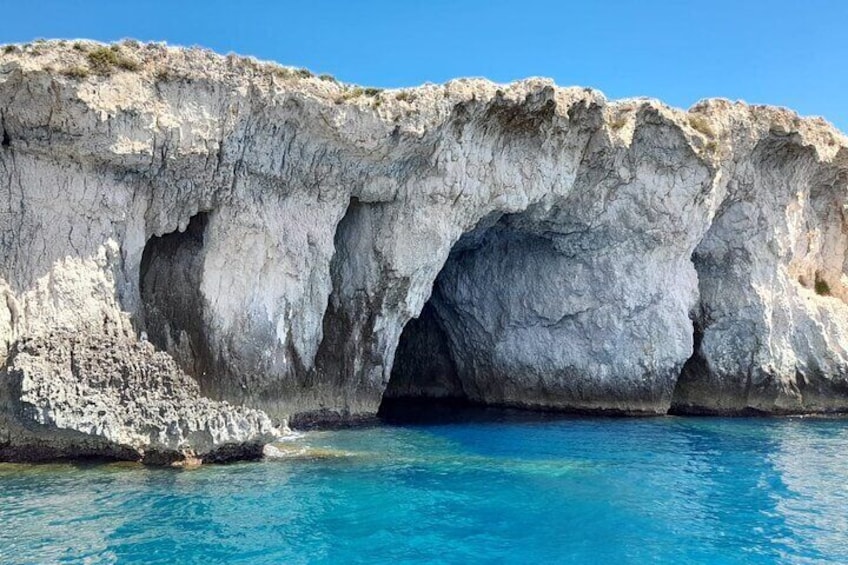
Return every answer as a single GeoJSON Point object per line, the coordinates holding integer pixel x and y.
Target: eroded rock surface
{"type": "Point", "coordinates": [275, 233]}
{"type": "Point", "coordinates": [75, 395]}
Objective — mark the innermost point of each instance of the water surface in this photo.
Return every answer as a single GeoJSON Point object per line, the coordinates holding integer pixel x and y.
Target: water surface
{"type": "Point", "coordinates": [574, 490]}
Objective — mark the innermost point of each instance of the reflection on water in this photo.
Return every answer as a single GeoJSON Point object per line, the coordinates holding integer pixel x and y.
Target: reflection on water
{"type": "Point", "coordinates": [545, 490]}
{"type": "Point", "coordinates": [811, 461]}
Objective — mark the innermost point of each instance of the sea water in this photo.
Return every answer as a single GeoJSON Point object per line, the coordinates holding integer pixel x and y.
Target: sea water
{"type": "Point", "coordinates": [673, 490]}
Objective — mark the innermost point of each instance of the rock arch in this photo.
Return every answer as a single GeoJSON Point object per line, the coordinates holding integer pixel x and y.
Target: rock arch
{"type": "Point", "coordinates": [529, 313]}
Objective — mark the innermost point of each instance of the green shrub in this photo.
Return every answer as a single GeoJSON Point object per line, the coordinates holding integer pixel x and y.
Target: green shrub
{"type": "Point", "coordinates": [404, 96]}
{"type": "Point", "coordinates": [103, 60]}
{"type": "Point", "coordinates": [328, 78]}
{"type": "Point", "coordinates": [701, 125]}
{"type": "Point", "coordinates": [821, 287]}
{"type": "Point", "coordinates": [76, 72]}
{"type": "Point", "coordinates": [10, 49]}
{"type": "Point", "coordinates": [356, 92]}
{"type": "Point", "coordinates": [618, 123]}
{"type": "Point", "coordinates": [77, 46]}
{"type": "Point", "coordinates": [303, 73]}
{"type": "Point", "coordinates": [350, 94]}
{"type": "Point", "coordinates": [281, 72]}
{"type": "Point", "coordinates": [128, 64]}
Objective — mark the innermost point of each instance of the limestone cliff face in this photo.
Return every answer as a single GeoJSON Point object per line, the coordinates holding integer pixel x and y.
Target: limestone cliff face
{"type": "Point", "coordinates": [279, 234]}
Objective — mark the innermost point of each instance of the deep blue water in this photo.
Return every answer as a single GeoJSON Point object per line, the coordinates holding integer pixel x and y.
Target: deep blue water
{"type": "Point", "coordinates": [682, 490]}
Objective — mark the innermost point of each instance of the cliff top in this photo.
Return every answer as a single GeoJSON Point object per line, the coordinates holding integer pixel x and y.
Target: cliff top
{"type": "Point", "coordinates": [133, 66]}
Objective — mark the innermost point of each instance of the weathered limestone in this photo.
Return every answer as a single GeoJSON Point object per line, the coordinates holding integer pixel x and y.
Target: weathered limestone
{"type": "Point", "coordinates": [771, 319]}
{"type": "Point", "coordinates": [67, 395]}
{"type": "Point", "coordinates": [275, 233]}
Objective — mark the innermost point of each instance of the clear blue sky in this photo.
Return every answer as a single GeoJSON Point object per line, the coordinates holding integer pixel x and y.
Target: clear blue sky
{"type": "Point", "coordinates": [786, 52]}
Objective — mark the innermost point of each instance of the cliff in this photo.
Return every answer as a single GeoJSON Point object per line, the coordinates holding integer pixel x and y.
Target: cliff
{"type": "Point", "coordinates": [303, 248]}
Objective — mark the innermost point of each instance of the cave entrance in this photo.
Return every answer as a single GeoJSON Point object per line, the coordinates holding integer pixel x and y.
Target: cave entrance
{"type": "Point", "coordinates": [540, 310]}
{"type": "Point", "coordinates": [171, 302]}
{"type": "Point", "coordinates": [424, 382]}
{"type": "Point", "coordinates": [449, 356]}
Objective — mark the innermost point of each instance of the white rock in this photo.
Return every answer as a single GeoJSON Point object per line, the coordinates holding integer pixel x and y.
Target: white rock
{"type": "Point", "coordinates": [576, 238]}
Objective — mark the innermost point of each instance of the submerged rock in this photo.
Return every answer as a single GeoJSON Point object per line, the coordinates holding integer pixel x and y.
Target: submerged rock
{"type": "Point", "coordinates": [275, 233]}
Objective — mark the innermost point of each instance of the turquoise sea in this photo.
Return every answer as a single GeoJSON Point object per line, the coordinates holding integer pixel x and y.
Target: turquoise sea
{"type": "Point", "coordinates": [484, 490]}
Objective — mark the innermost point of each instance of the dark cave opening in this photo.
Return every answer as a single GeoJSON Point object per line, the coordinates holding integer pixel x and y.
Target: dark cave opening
{"type": "Point", "coordinates": [172, 305]}
{"type": "Point", "coordinates": [513, 321]}
{"type": "Point", "coordinates": [699, 391]}
{"type": "Point", "coordinates": [444, 352]}
{"type": "Point", "coordinates": [424, 382]}
{"type": "Point", "coordinates": [694, 371]}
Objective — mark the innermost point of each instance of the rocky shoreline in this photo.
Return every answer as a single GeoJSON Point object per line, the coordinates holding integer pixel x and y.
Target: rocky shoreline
{"type": "Point", "coordinates": [197, 250]}
{"type": "Point", "coordinates": [69, 396]}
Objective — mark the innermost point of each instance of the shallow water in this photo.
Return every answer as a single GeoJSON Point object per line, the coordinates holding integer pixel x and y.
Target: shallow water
{"type": "Point", "coordinates": [587, 490]}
